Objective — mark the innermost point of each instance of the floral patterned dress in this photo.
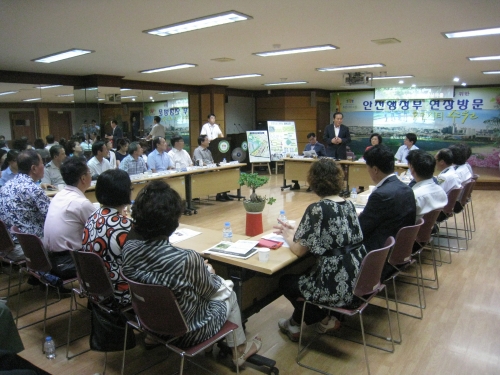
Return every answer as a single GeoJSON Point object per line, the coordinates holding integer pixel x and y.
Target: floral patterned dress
{"type": "Point", "coordinates": [105, 233]}
{"type": "Point", "coordinates": [326, 229]}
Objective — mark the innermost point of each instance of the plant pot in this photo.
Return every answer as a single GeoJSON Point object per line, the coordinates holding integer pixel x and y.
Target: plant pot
{"type": "Point", "coordinates": [254, 206]}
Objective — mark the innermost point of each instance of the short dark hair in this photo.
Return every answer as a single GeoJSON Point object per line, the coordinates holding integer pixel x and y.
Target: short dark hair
{"type": "Point", "coordinates": [114, 122]}
{"type": "Point", "coordinates": [378, 136]}
{"type": "Point", "coordinates": [210, 115]}
{"type": "Point", "coordinates": [26, 160]}
{"type": "Point", "coordinates": [20, 144]}
{"type": "Point", "coordinates": [133, 147]}
{"type": "Point", "coordinates": [112, 188]}
{"type": "Point", "coordinates": [380, 156]}
{"type": "Point", "coordinates": [157, 141]}
{"type": "Point", "coordinates": [11, 156]}
{"type": "Point", "coordinates": [459, 155]}
{"type": "Point", "coordinates": [175, 139]}
{"type": "Point", "coordinates": [97, 146]}
{"type": "Point", "coordinates": [156, 210]}
{"type": "Point", "coordinates": [325, 177]}
{"type": "Point", "coordinates": [445, 155]}
{"type": "Point", "coordinates": [412, 137]}
{"type": "Point", "coordinates": [422, 162]}
{"type": "Point", "coordinates": [39, 143]}
{"type": "Point", "coordinates": [311, 135]}
{"type": "Point", "coordinates": [72, 169]}
{"type": "Point", "coordinates": [50, 139]}
{"type": "Point", "coordinates": [157, 119]}
{"type": "Point", "coordinates": [122, 142]}
{"type": "Point", "coordinates": [467, 150]}
{"type": "Point", "coordinates": [55, 150]}
{"type": "Point", "coordinates": [338, 113]}
{"type": "Point", "coordinates": [201, 139]}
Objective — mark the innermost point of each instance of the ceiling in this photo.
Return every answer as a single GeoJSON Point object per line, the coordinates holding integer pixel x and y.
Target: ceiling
{"type": "Point", "coordinates": [114, 30]}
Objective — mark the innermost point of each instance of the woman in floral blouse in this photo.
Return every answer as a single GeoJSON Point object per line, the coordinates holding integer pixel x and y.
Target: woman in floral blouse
{"type": "Point", "coordinates": [330, 231]}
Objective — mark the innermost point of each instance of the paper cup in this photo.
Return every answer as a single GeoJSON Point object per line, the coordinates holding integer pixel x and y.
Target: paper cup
{"type": "Point", "coordinates": [264, 254]}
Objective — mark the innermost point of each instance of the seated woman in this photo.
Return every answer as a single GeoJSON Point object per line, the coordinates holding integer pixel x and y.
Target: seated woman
{"type": "Point", "coordinates": [149, 258]}
{"type": "Point", "coordinates": [375, 139]}
{"type": "Point", "coordinates": [121, 149]}
{"type": "Point", "coordinates": [107, 228]}
{"type": "Point", "coordinates": [330, 231]}
{"type": "Point", "coordinates": [9, 167]}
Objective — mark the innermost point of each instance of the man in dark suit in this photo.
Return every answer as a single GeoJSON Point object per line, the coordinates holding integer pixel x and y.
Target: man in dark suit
{"type": "Point", "coordinates": [390, 206]}
{"type": "Point", "coordinates": [337, 138]}
{"type": "Point", "coordinates": [116, 133]}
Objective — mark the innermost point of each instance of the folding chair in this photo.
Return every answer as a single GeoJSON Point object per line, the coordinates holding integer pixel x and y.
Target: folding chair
{"type": "Point", "coordinates": [6, 246]}
{"type": "Point", "coordinates": [469, 199]}
{"type": "Point", "coordinates": [460, 207]}
{"type": "Point", "coordinates": [159, 315]}
{"type": "Point", "coordinates": [95, 285]}
{"type": "Point", "coordinates": [367, 286]}
{"type": "Point", "coordinates": [37, 264]}
{"type": "Point", "coordinates": [445, 214]}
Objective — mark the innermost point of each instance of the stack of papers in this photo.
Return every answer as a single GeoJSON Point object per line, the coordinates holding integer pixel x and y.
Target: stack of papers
{"type": "Point", "coordinates": [182, 234]}
{"type": "Point", "coordinates": [242, 249]}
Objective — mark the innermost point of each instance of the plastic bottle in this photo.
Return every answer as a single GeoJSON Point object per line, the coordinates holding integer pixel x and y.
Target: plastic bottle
{"type": "Point", "coordinates": [178, 167]}
{"type": "Point", "coordinates": [223, 161]}
{"type": "Point", "coordinates": [354, 194]}
{"type": "Point", "coordinates": [49, 348]}
{"type": "Point", "coordinates": [227, 232]}
{"type": "Point", "coordinates": [282, 216]}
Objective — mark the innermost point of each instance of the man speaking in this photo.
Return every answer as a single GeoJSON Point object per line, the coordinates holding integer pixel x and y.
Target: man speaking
{"type": "Point", "coordinates": [337, 138]}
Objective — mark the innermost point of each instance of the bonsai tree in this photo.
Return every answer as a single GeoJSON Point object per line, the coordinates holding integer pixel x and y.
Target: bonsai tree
{"type": "Point", "coordinates": [254, 181]}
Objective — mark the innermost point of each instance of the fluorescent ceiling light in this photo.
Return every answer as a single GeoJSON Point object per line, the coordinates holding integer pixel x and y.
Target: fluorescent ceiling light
{"type": "Point", "coordinates": [101, 99]}
{"type": "Point", "coordinates": [172, 67]}
{"type": "Point", "coordinates": [335, 68]}
{"type": "Point", "coordinates": [199, 23]}
{"type": "Point", "coordinates": [167, 92]}
{"type": "Point", "coordinates": [129, 97]}
{"type": "Point", "coordinates": [325, 47]}
{"type": "Point", "coordinates": [484, 58]}
{"type": "Point", "coordinates": [400, 82]}
{"type": "Point", "coordinates": [31, 100]}
{"type": "Point", "coordinates": [47, 87]}
{"type": "Point", "coordinates": [64, 95]}
{"type": "Point", "coordinates": [239, 76]}
{"type": "Point", "coordinates": [464, 84]}
{"type": "Point", "coordinates": [285, 83]}
{"type": "Point", "coordinates": [125, 89]}
{"type": "Point", "coordinates": [62, 55]}
{"type": "Point", "coordinates": [392, 77]}
{"type": "Point", "coordinates": [469, 33]}
{"type": "Point", "coordinates": [8, 92]}
{"type": "Point", "coordinates": [487, 72]}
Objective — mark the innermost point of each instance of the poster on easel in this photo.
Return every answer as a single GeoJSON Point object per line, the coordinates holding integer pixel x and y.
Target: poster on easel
{"type": "Point", "coordinates": [258, 146]}
{"type": "Point", "coordinates": [282, 139]}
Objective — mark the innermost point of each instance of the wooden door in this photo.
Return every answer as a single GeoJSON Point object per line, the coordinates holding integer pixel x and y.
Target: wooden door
{"type": "Point", "coordinates": [22, 124]}
{"type": "Point", "coordinates": [60, 124]}
{"type": "Point", "coordinates": [322, 119]}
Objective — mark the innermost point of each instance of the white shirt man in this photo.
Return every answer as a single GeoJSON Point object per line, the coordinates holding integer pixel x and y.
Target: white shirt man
{"type": "Point", "coordinates": [98, 163]}
{"type": "Point", "coordinates": [158, 160]}
{"type": "Point", "coordinates": [178, 155]}
{"type": "Point", "coordinates": [211, 129]}
{"type": "Point", "coordinates": [447, 178]}
{"type": "Point", "coordinates": [409, 144]}
{"type": "Point", "coordinates": [158, 129]}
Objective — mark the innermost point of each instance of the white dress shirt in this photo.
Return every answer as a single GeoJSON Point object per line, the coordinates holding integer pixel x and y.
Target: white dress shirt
{"type": "Point", "coordinates": [429, 196]}
{"type": "Point", "coordinates": [448, 179]}
{"type": "Point", "coordinates": [211, 131]}
{"type": "Point", "coordinates": [463, 172]}
{"type": "Point", "coordinates": [402, 153]}
{"type": "Point", "coordinates": [181, 157]}
{"type": "Point", "coordinates": [97, 168]}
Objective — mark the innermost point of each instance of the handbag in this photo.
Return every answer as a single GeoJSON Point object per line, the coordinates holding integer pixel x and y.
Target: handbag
{"type": "Point", "coordinates": [108, 331]}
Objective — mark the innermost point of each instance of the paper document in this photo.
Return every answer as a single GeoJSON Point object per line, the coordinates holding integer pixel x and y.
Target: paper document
{"type": "Point", "coordinates": [240, 249]}
{"type": "Point", "coordinates": [182, 234]}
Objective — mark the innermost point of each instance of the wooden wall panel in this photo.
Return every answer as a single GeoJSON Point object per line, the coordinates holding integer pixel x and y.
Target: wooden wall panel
{"type": "Point", "coordinates": [219, 104]}
{"type": "Point", "coordinates": [264, 114]}
{"type": "Point", "coordinates": [270, 102]}
{"type": "Point", "coordinates": [205, 109]}
{"type": "Point", "coordinates": [194, 120]}
{"type": "Point", "coordinates": [305, 125]}
{"type": "Point", "coordinates": [300, 113]}
{"type": "Point", "coordinates": [43, 121]}
{"type": "Point", "coordinates": [298, 102]}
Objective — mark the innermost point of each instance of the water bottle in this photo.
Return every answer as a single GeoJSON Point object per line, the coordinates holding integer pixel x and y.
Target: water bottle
{"type": "Point", "coordinates": [49, 348]}
{"type": "Point", "coordinates": [223, 161]}
{"type": "Point", "coordinates": [178, 167]}
{"type": "Point", "coordinates": [282, 216]}
{"type": "Point", "coordinates": [354, 194]}
{"type": "Point", "coordinates": [227, 232]}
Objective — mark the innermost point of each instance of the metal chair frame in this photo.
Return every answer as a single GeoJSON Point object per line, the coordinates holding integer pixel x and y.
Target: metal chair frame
{"type": "Point", "coordinates": [6, 246]}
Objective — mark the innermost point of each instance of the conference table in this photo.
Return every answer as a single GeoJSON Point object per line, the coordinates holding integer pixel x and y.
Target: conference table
{"type": "Point", "coordinates": [296, 169]}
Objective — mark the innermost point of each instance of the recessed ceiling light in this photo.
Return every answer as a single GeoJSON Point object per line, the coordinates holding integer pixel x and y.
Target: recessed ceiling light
{"type": "Point", "coordinates": [469, 33]}
{"type": "Point", "coordinates": [392, 77]}
{"type": "Point", "coordinates": [62, 55]}
{"type": "Point", "coordinates": [8, 92]}
{"type": "Point", "coordinates": [335, 68]}
{"type": "Point", "coordinates": [400, 82]}
{"type": "Point", "coordinates": [325, 47]}
{"type": "Point", "coordinates": [47, 87]}
{"type": "Point", "coordinates": [167, 92]}
{"type": "Point", "coordinates": [456, 79]}
{"type": "Point", "coordinates": [285, 83]}
{"type": "Point", "coordinates": [31, 100]}
{"type": "Point", "coordinates": [199, 23]}
{"type": "Point", "coordinates": [413, 85]}
{"type": "Point", "coordinates": [238, 76]}
{"type": "Point", "coordinates": [487, 72]}
{"type": "Point", "coordinates": [464, 84]}
{"type": "Point", "coordinates": [172, 67]}
{"type": "Point", "coordinates": [484, 58]}
{"type": "Point", "coordinates": [151, 98]}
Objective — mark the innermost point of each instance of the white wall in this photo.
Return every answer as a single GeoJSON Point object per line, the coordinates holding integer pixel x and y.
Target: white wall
{"type": "Point", "coordinates": [240, 114]}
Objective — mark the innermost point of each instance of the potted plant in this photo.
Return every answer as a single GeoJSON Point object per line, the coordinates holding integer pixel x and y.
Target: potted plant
{"type": "Point", "coordinates": [256, 202]}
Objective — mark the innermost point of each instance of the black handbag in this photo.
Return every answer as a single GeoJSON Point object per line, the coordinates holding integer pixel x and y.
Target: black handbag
{"type": "Point", "coordinates": [108, 331]}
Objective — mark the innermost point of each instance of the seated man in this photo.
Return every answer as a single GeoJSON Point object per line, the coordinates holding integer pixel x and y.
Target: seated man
{"type": "Point", "coordinates": [391, 205]}
{"type": "Point", "coordinates": [202, 154]}
{"type": "Point", "coordinates": [22, 202]}
{"type": "Point", "coordinates": [158, 160]}
{"type": "Point", "coordinates": [314, 145]}
{"type": "Point", "coordinates": [133, 162]}
{"type": "Point", "coordinates": [447, 178]}
{"type": "Point", "coordinates": [52, 175]}
{"type": "Point", "coordinates": [459, 162]}
{"type": "Point", "coordinates": [50, 142]}
{"type": "Point", "coordinates": [178, 155]}
{"type": "Point", "coordinates": [429, 196]}
{"type": "Point", "coordinates": [99, 163]}
{"type": "Point", "coordinates": [409, 144]}
{"type": "Point", "coordinates": [67, 215]}
{"type": "Point", "coordinates": [85, 144]}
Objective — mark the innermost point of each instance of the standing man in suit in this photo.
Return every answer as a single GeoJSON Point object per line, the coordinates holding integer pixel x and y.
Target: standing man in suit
{"type": "Point", "coordinates": [390, 206]}
{"type": "Point", "coordinates": [337, 138]}
{"type": "Point", "coordinates": [116, 133]}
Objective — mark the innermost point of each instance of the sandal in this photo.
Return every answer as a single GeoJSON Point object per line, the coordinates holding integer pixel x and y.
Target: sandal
{"type": "Point", "coordinates": [256, 342]}
{"type": "Point", "coordinates": [329, 328]}
{"type": "Point", "coordinates": [293, 332]}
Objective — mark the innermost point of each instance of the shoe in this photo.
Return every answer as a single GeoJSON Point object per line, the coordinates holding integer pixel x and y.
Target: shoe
{"type": "Point", "coordinates": [330, 328]}
{"type": "Point", "coordinates": [309, 190]}
{"type": "Point", "coordinates": [227, 197]}
{"type": "Point", "coordinates": [293, 332]}
{"type": "Point", "coordinates": [253, 346]}
{"type": "Point", "coordinates": [220, 198]}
